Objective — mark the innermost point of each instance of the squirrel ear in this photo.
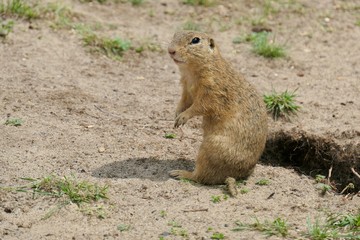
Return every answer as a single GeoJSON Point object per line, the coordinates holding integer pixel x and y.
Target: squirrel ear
{"type": "Point", "coordinates": [212, 43]}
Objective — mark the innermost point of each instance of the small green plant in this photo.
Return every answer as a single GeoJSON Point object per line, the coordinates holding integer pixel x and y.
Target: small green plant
{"type": "Point", "coordinates": [268, 8]}
{"type": "Point", "coordinates": [61, 15]}
{"type": "Point", "coordinates": [357, 23]}
{"type": "Point", "coordinates": [163, 213]}
{"type": "Point", "coordinates": [258, 21]}
{"type": "Point", "coordinates": [6, 28]}
{"type": "Point", "coordinates": [335, 226]}
{"type": "Point", "coordinates": [277, 227]}
{"type": "Point", "coordinates": [77, 192]}
{"type": "Point", "coordinates": [123, 227]}
{"type": "Point", "coordinates": [216, 199]}
{"type": "Point", "coordinates": [113, 48]}
{"type": "Point", "coordinates": [174, 224]}
{"type": "Point", "coordinates": [148, 45]}
{"type": "Point", "coordinates": [237, 40]}
{"type": "Point", "coordinates": [347, 222]}
{"type": "Point", "coordinates": [136, 2]}
{"type": "Point", "coordinates": [191, 26]}
{"type": "Point", "coordinates": [14, 122]}
{"type": "Point", "coordinates": [217, 236]}
{"type": "Point", "coordinates": [263, 182]}
{"type": "Point", "coordinates": [98, 211]}
{"type": "Point", "coordinates": [68, 190]}
{"type": "Point", "coordinates": [244, 190]}
{"type": "Point", "coordinates": [244, 38]}
{"type": "Point", "coordinates": [99, 1]}
{"type": "Point", "coordinates": [177, 230]}
{"type": "Point", "coordinates": [263, 47]}
{"type": "Point", "coordinates": [320, 178]}
{"type": "Point", "coordinates": [317, 231]}
{"type": "Point", "coordinates": [324, 188]}
{"type": "Point", "coordinates": [281, 105]}
{"type": "Point", "coordinates": [206, 3]}
{"type": "Point", "coordinates": [170, 135]}
{"type": "Point", "coordinates": [18, 8]}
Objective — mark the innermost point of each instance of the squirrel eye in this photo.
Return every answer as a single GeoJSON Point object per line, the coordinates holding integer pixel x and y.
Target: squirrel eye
{"type": "Point", "coordinates": [195, 40]}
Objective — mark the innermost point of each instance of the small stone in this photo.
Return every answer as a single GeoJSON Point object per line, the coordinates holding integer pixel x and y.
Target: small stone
{"type": "Point", "coordinates": [300, 74]}
{"type": "Point", "coordinates": [101, 149]}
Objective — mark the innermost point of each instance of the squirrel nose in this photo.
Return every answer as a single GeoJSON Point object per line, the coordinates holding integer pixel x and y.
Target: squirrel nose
{"type": "Point", "coordinates": [171, 51]}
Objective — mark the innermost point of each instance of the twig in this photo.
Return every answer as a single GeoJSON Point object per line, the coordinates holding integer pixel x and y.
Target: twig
{"type": "Point", "coordinates": [356, 174]}
{"type": "Point", "coordinates": [329, 175]}
{"type": "Point", "coordinates": [108, 113]}
{"type": "Point", "coordinates": [197, 210]}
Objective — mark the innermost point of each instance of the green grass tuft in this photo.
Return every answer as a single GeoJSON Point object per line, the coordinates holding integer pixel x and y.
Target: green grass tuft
{"type": "Point", "coordinates": [335, 226]}
{"type": "Point", "coordinates": [123, 227]}
{"type": "Point", "coordinates": [263, 47]}
{"type": "Point", "coordinates": [281, 105]}
{"type": "Point", "coordinates": [99, 1]}
{"type": "Point", "coordinates": [278, 227]}
{"type": "Point", "coordinates": [136, 2]}
{"type": "Point", "coordinates": [61, 16]}
{"type": "Point", "coordinates": [170, 135]}
{"type": "Point", "coordinates": [216, 199]}
{"type": "Point", "coordinates": [5, 28]}
{"type": "Point", "coordinates": [14, 122]}
{"type": "Point", "coordinates": [113, 48]}
{"type": "Point", "coordinates": [263, 182]}
{"type": "Point", "coordinates": [217, 236]}
{"type": "Point", "coordinates": [77, 192]}
{"type": "Point", "coordinates": [317, 231]}
{"type": "Point", "coordinates": [206, 3]}
{"type": "Point", "coordinates": [191, 26]}
{"type": "Point", "coordinates": [244, 190]}
{"type": "Point", "coordinates": [18, 8]}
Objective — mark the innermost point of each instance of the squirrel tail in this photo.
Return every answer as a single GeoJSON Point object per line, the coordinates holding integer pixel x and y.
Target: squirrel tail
{"type": "Point", "coordinates": [231, 186]}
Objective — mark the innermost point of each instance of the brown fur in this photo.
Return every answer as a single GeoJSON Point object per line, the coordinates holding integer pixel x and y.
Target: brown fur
{"type": "Point", "coordinates": [234, 115]}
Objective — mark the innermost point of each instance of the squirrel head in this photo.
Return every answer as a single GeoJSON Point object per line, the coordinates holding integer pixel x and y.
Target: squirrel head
{"type": "Point", "coordinates": [192, 48]}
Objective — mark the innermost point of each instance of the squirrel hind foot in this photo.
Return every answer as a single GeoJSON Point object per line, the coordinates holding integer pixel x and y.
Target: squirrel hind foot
{"type": "Point", "coordinates": [179, 174]}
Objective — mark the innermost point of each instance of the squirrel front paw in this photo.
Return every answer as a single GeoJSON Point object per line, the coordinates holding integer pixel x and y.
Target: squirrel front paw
{"type": "Point", "coordinates": [181, 119]}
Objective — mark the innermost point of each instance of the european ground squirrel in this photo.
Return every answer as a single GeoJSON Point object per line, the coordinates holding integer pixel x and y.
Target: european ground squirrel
{"type": "Point", "coordinates": [234, 115]}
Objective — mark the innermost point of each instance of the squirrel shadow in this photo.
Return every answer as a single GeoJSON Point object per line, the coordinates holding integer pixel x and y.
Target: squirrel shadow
{"type": "Point", "coordinates": [143, 168]}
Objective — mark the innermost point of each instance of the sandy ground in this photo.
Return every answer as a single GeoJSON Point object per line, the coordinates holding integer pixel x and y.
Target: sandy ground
{"type": "Point", "coordinates": [104, 120]}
